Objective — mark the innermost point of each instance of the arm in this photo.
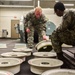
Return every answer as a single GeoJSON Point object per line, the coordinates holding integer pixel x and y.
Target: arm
{"type": "Point", "coordinates": [27, 22]}
{"type": "Point", "coordinates": [66, 23]}
{"type": "Point", "coordinates": [27, 18]}
{"type": "Point", "coordinates": [44, 20]}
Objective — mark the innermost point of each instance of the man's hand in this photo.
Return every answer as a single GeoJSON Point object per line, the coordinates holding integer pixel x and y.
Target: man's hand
{"type": "Point", "coordinates": [45, 37]}
{"type": "Point", "coordinates": [27, 30]}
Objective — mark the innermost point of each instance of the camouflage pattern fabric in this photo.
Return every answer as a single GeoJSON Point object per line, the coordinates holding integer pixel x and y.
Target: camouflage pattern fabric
{"type": "Point", "coordinates": [65, 33]}
{"type": "Point", "coordinates": [33, 23]}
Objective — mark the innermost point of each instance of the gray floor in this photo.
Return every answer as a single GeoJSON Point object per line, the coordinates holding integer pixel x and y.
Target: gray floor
{"type": "Point", "coordinates": [25, 67]}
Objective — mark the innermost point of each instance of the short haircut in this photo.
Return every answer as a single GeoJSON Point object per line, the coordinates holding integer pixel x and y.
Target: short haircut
{"type": "Point", "coordinates": [60, 6]}
{"type": "Point", "coordinates": [38, 9]}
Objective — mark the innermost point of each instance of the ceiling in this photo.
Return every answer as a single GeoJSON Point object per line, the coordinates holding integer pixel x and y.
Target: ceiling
{"type": "Point", "coordinates": [34, 3]}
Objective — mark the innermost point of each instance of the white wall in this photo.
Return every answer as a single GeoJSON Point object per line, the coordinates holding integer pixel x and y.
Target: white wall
{"type": "Point", "coordinates": [52, 16]}
{"type": "Point", "coordinates": [7, 14]}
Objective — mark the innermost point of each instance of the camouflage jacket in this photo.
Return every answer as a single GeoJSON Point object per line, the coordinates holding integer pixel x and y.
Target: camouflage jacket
{"type": "Point", "coordinates": [65, 33]}
{"type": "Point", "coordinates": [31, 20]}
{"type": "Point", "coordinates": [68, 22]}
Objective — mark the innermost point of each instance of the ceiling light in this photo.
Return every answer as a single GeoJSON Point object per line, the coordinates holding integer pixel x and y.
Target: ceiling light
{"type": "Point", "coordinates": [38, 3]}
{"type": "Point", "coordinates": [15, 0]}
{"type": "Point", "coordinates": [69, 4]}
{"type": "Point", "coordinates": [56, 0]}
{"type": "Point", "coordinates": [17, 6]}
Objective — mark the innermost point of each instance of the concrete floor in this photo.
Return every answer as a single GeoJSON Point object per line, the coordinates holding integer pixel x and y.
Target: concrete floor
{"type": "Point", "coordinates": [25, 67]}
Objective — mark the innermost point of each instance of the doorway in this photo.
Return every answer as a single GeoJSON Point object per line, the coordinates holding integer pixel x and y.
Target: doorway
{"type": "Point", "coordinates": [14, 34]}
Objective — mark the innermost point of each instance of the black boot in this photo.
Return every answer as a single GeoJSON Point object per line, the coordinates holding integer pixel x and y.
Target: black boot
{"type": "Point", "coordinates": [62, 58]}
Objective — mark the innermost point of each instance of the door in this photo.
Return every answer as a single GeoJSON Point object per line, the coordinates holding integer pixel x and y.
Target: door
{"type": "Point", "coordinates": [14, 34]}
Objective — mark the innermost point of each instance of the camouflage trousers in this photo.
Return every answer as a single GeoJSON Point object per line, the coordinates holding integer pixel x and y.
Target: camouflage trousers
{"type": "Point", "coordinates": [30, 36]}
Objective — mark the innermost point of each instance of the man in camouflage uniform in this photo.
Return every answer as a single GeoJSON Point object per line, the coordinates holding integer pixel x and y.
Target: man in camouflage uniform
{"type": "Point", "coordinates": [35, 20]}
{"type": "Point", "coordinates": [65, 33]}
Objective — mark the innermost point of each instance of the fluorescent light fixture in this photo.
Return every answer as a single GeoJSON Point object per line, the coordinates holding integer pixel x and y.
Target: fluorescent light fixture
{"type": "Point", "coordinates": [38, 3]}
{"type": "Point", "coordinates": [15, 0]}
{"type": "Point", "coordinates": [69, 4]}
{"type": "Point", "coordinates": [17, 6]}
{"type": "Point", "coordinates": [56, 0]}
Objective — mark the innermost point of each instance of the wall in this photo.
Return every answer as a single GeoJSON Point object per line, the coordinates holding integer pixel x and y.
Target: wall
{"type": "Point", "coordinates": [8, 14]}
{"type": "Point", "coordinates": [52, 16]}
